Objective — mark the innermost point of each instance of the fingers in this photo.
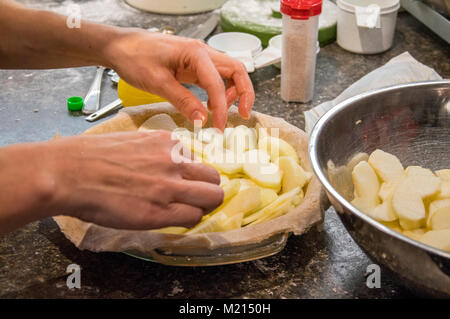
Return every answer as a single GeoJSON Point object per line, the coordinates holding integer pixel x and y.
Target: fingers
{"type": "Point", "coordinates": [199, 194]}
{"type": "Point", "coordinates": [200, 172]}
{"type": "Point", "coordinates": [179, 214]}
{"type": "Point", "coordinates": [210, 80]}
{"type": "Point", "coordinates": [184, 100]}
{"type": "Point", "coordinates": [231, 93]}
{"type": "Point", "coordinates": [175, 214]}
{"type": "Point", "coordinates": [230, 68]}
{"type": "Point", "coordinates": [245, 92]}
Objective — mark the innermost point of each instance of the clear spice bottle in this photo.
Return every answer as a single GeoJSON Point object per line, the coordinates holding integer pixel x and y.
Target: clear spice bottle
{"type": "Point", "coordinates": [300, 31]}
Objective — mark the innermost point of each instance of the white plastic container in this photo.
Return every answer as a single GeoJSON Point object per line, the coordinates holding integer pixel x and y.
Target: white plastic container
{"type": "Point", "coordinates": [298, 56]}
{"type": "Point", "coordinates": [366, 26]}
{"type": "Point", "coordinates": [241, 46]}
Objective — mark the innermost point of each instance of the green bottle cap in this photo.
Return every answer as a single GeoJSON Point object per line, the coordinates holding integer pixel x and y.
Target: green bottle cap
{"type": "Point", "coordinates": [75, 103]}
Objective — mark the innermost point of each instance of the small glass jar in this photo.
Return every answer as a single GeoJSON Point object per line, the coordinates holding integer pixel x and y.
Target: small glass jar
{"type": "Point", "coordinates": [300, 32]}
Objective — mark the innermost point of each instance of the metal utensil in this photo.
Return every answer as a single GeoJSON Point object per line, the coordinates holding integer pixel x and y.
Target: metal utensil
{"type": "Point", "coordinates": [113, 106]}
{"type": "Point", "coordinates": [411, 121]}
{"type": "Point", "coordinates": [167, 30]}
{"type": "Point", "coordinates": [114, 77]}
{"type": "Point", "coordinates": [92, 99]}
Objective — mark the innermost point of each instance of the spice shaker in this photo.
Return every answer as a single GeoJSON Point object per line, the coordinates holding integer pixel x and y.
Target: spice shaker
{"type": "Point", "coordinates": [299, 41]}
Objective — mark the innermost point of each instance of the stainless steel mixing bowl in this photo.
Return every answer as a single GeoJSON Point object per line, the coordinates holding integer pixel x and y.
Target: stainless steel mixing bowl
{"type": "Point", "coordinates": [411, 121]}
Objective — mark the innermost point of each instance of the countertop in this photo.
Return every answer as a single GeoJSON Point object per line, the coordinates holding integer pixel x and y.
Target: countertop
{"type": "Point", "coordinates": [318, 264]}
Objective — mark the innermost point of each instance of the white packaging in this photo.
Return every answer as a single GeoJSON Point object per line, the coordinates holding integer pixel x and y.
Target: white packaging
{"type": "Point", "coordinates": [366, 26]}
{"type": "Point", "coordinates": [400, 69]}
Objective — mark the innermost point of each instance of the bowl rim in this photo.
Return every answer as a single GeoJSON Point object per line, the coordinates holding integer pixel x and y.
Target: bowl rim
{"type": "Point", "coordinates": [313, 157]}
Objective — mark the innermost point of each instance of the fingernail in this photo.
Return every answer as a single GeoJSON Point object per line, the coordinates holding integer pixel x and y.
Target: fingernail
{"type": "Point", "coordinates": [198, 116]}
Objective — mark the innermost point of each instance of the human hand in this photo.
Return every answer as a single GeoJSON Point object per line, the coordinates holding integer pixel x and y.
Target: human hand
{"type": "Point", "coordinates": [159, 63]}
{"type": "Point", "coordinates": [129, 181]}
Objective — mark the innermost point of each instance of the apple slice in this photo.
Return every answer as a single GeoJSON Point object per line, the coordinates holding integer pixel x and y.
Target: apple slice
{"type": "Point", "coordinates": [418, 171]}
{"type": "Point", "coordinates": [293, 174]}
{"type": "Point", "coordinates": [384, 212]}
{"type": "Point", "coordinates": [439, 214]}
{"type": "Point", "coordinates": [427, 183]}
{"type": "Point", "coordinates": [437, 238]}
{"type": "Point", "coordinates": [277, 147]}
{"type": "Point", "coordinates": [268, 196]}
{"type": "Point", "coordinates": [231, 188]}
{"type": "Point", "coordinates": [366, 186]}
{"type": "Point", "coordinates": [408, 205]}
{"type": "Point", "coordinates": [209, 225]}
{"type": "Point", "coordinates": [444, 175]}
{"type": "Point", "coordinates": [241, 139]}
{"type": "Point", "coordinates": [279, 211]}
{"type": "Point", "coordinates": [415, 234]}
{"type": "Point", "coordinates": [386, 165]}
{"type": "Point", "coordinates": [387, 188]}
{"type": "Point", "coordinates": [210, 135]}
{"type": "Point", "coordinates": [408, 197]}
{"type": "Point", "coordinates": [243, 202]}
{"type": "Point", "coordinates": [224, 179]}
{"type": "Point", "coordinates": [223, 160]}
{"type": "Point", "coordinates": [256, 156]}
{"type": "Point", "coordinates": [297, 199]}
{"type": "Point", "coordinates": [266, 175]}
{"type": "Point", "coordinates": [246, 183]}
{"type": "Point", "coordinates": [159, 122]}
{"type": "Point", "coordinates": [444, 192]}
{"type": "Point", "coordinates": [395, 225]}
{"type": "Point", "coordinates": [187, 138]}
{"type": "Point", "coordinates": [233, 222]}
{"type": "Point", "coordinates": [283, 201]}
{"type": "Point", "coordinates": [227, 168]}
{"type": "Point", "coordinates": [355, 159]}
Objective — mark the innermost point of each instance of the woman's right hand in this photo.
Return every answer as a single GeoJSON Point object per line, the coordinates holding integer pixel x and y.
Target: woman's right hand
{"type": "Point", "coordinates": [124, 180]}
{"type": "Point", "coordinates": [130, 181]}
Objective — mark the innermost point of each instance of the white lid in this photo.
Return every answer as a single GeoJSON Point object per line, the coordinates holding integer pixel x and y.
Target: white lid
{"type": "Point", "coordinates": [386, 6]}
{"type": "Point", "coordinates": [236, 42]}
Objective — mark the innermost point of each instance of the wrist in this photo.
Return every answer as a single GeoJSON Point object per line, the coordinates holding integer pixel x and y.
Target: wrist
{"type": "Point", "coordinates": [26, 185]}
{"type": "Point", "coordinates": [123, 45]}
{"type": "Point", "coordinates": [99, 43]}
{"type": "Point", "coordinates": [112, 50]}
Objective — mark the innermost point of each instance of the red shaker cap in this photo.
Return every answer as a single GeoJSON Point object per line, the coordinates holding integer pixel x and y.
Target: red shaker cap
{"type": "Point", "coordinates": [301, 9]}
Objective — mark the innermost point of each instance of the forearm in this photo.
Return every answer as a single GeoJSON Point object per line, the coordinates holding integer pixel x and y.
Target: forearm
{"type": "Point", "coordinates": [35, 39]}
{"type": "Point", "coordinates": [26, 188]}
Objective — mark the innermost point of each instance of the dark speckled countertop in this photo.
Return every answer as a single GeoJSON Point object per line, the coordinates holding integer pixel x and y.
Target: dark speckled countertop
{"type": "Point", "coordinates": [318, 264]}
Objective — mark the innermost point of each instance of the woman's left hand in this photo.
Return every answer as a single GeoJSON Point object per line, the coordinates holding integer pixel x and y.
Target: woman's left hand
{"type": "Point", "coordinates": [159, 63]}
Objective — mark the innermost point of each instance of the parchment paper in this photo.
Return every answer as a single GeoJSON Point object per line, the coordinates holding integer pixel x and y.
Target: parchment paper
{"type": "Point", "coordinates": [98, 238]}
{"type": "Point", "coordinates": [401, 69]}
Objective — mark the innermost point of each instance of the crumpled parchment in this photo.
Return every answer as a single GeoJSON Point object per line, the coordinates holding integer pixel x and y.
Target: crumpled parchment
{"type": "Point", "coordinates": [401, 69]}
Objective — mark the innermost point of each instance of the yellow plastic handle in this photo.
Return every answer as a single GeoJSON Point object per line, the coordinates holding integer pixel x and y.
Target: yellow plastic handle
{"type": "Point", "coordinates": [132, 96]}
